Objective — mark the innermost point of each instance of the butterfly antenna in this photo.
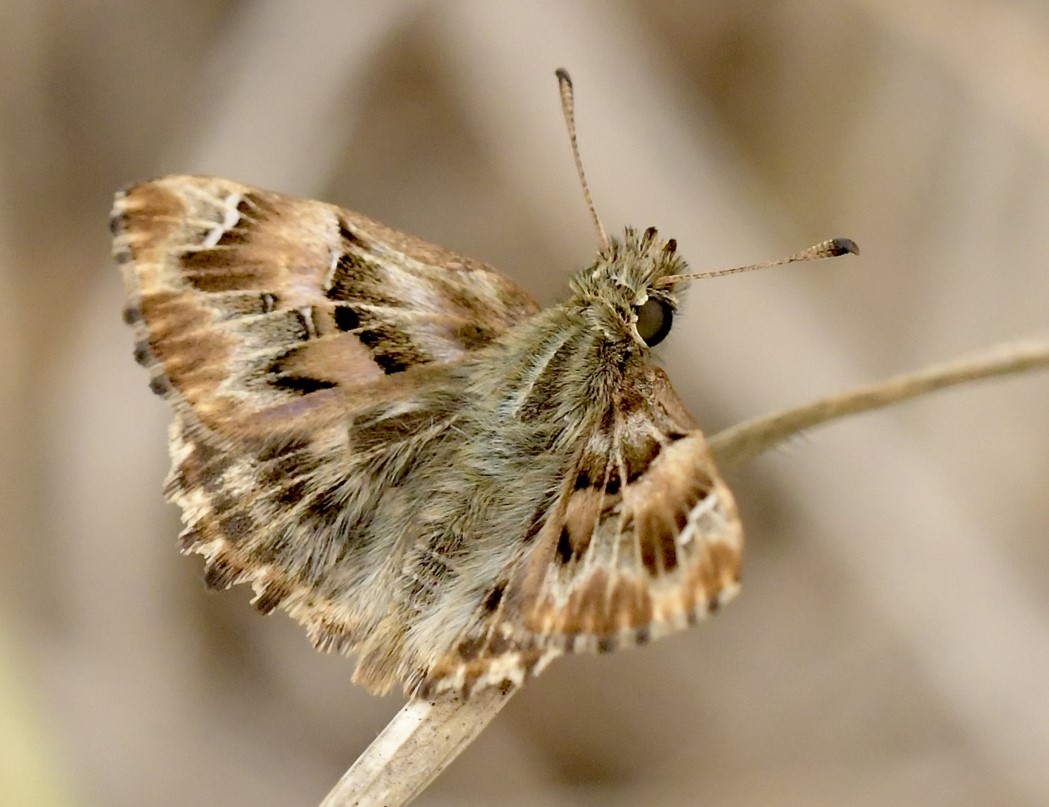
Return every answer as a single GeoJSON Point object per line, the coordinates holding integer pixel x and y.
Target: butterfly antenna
{"type": "Point", "coordinates": [564, 81]}
{"type": "Point", "coordinates": [825, 249]}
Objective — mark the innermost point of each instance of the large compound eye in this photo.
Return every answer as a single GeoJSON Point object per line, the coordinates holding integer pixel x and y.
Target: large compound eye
{"type": "Point", "coordinates": [654, 318]}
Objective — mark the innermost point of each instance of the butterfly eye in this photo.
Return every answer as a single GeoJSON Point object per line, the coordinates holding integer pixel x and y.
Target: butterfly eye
{"type": "Point", "coordinates": [654, 318]}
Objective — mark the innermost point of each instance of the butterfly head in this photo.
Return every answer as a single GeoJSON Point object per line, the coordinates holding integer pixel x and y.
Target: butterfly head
{"type": "Point", "coordinates": [620, 292]}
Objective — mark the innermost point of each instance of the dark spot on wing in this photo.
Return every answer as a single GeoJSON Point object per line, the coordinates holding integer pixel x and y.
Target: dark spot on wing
{"type": "Point", "coordinates": [591, 477]}
{"type": "Point", "coordinates": [565, 552]}
{"type": "Point", "coordinates": [324, 505]}
{"type": "Point", "coordinates": [219, 573]}
{"type": "Point", "coordinates": [639, 456]}
{"type": "Point", "coordinates": [238, 526]}
{"type": "Point", "coordinates": [293, 493]}
{"type": "Point", "coordinates": [301, 384]}
{"type": "Point", "coordinates": [283, 375]}
{"type": "Point", "coordinates": [391, 348]}
{"type": "Point", "coordinates": [356, 279]}
{"type": "Point", "coordinates": [657, 541]}
{"type": "Point", "coordinates": [159, 385]}
{"type": "Point", "coordinates": [470, 649]}
{"type": "Point", "coordinates": [495, 596]}
{"type": "Point", "coordinates": [218, 270]}
{"type": "Point", "coordinates": [288, 466]}
{"type": "Point", "coordinates": [473, 336]}
{"type": "Point", "coordinates": [234, 237]}
{"type": "Point", "coordinates": [142, 354]}
{"type": "Point", "coordinates": [346, 319]}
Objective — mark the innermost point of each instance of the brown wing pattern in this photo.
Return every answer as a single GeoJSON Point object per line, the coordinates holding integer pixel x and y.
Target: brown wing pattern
{"type": "Point", "coordinates": [326, 372]}
{"type": "Point", "coordinates": [246, 301]}
{"type": "Point", "coordinates": [643, 541]}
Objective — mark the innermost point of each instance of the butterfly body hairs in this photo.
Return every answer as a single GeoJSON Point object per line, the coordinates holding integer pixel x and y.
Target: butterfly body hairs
{"type": "Point", "coordinates": [394, 444]}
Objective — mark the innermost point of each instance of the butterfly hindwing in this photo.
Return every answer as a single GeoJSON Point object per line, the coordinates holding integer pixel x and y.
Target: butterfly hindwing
{"type": "Point", "coordinates": [649, 540]}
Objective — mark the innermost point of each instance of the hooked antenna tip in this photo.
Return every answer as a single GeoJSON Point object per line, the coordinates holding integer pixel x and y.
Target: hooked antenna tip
{"type": "Point", "coordinates": [842, 246]}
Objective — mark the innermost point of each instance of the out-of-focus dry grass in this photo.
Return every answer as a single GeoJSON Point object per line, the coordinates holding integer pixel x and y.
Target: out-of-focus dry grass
{"type": "Point", "coordinates": [892, 642]}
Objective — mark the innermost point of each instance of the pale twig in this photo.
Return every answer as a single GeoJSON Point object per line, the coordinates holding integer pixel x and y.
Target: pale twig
{"type": "Point", "coordinates": [746, 440]}
{"type": "Point", "coordinates": [419, 743]}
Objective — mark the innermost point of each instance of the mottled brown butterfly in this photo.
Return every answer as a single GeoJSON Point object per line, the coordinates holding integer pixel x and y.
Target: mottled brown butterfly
{"type": "Point", "coordinates": [397, 446]}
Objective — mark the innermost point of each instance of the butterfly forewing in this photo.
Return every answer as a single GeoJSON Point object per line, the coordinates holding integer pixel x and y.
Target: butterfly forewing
{"type": "Point", "coordinates": [245, 300]}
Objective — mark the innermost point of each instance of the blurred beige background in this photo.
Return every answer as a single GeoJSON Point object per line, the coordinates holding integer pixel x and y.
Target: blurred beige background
{"type": "Point", "coordinates": [891, 645]}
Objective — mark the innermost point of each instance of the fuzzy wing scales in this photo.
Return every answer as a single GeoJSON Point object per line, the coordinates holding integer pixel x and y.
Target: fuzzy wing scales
{"type": "Point", "coordinates": [287, 335]}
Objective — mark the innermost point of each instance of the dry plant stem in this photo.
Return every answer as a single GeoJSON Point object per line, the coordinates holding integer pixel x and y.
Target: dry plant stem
{"type": "Point", "coordinates": [423, 738]}
{"type": "Point", "coordinates": [419, 743]}
{"type": "Point", "coordinates": [743, 442]}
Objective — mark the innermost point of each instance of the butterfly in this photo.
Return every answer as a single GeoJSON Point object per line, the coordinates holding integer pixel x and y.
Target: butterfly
{"type": "Point", "coordinates": [397, 446]}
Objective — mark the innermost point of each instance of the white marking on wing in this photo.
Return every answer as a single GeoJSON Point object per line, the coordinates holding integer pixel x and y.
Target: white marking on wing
{"type": "Point", "coordinates": [229, 221]}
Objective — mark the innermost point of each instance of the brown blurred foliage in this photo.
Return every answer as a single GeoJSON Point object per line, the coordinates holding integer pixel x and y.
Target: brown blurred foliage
{"type": "Point", "coordinates": [891, 644]}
